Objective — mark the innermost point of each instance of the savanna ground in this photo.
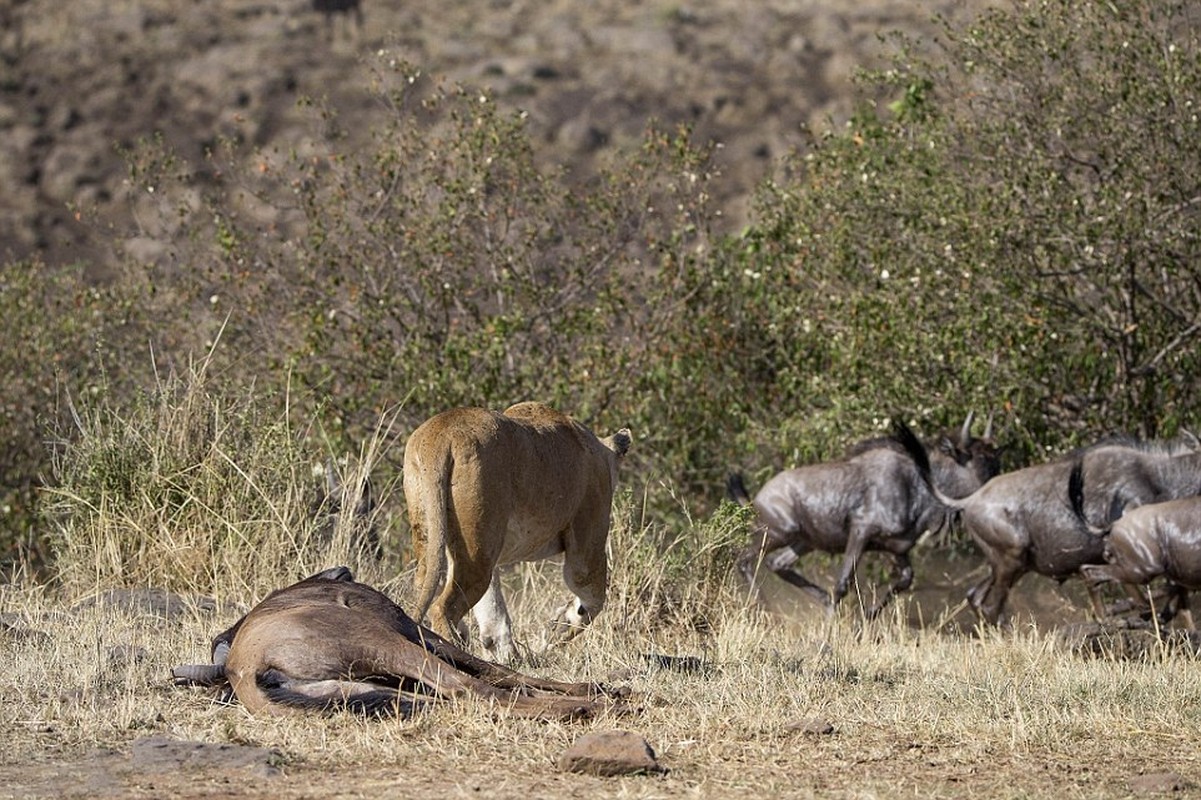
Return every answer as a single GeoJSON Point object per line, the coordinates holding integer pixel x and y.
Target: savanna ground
{"type": "Point", "coordinates": [920, 703]}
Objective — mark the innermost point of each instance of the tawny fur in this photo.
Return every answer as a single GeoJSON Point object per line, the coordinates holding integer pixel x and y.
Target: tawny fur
{"type": "Point", "coordinates": [485, 489]}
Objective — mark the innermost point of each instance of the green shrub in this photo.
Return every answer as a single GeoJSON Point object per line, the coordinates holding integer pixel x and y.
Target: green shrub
{"type": "Point", "coordinates": [1015, 233]}
{"type": "Point", "coordinates": [59, 327]}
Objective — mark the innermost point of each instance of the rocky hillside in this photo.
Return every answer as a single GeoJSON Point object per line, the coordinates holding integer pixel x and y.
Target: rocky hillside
{"type": "Point", "coordinates": [85, 78]}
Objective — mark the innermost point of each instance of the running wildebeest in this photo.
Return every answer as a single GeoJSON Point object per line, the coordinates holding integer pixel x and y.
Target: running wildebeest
{"type": "Point", "coordinates": [485, 489]}
{"type": "Point", "coordinates": [329, 643]}
{"type": "Point", "coordinates": [1158, 540]}
{"type": "Point", "coordinates": [352, 10]}
{"type": "Point", "coordinates": [873, 499]}
{"type": "Point", "coordinates": [1023, 522]}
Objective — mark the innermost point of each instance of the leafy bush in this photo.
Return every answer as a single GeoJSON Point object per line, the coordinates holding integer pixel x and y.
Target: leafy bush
{"type": "Point", "coordinates": [60, 326]}
{"type": "Point", "coordinates": [1014, 233]}
{"type": "Point", "coordinates": [441, 267]}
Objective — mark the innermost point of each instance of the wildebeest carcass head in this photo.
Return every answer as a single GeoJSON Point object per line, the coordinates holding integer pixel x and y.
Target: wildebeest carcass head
{"type": "Point", "coordinates": [872, 499]}
{"type": "Point", "coordinates": [329, 642]}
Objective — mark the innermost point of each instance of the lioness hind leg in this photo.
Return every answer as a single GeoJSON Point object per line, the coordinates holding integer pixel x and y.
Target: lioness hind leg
{"type": "Point", "coordinates": [496, 630]}
{"type": "Point", "coordinates": [467, 581]}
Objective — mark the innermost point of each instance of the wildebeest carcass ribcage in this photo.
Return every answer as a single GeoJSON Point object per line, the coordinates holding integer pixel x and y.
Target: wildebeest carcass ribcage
{"type": "Point", "coordinates": [1022, 521]}
{"type": "Point", "coordinates": [1158, 540]}
{"type": "Point", "coordinates": [873, 499]}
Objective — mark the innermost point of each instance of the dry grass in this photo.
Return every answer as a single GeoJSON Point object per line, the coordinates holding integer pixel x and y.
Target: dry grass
{"type": "Point", "coordinates": [1003, 714]}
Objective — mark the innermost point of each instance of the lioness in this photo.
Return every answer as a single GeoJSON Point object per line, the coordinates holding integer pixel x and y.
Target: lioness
{"type": "Point", "coordinates": [486, 489]}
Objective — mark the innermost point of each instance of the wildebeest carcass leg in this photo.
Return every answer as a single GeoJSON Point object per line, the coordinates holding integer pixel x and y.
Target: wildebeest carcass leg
{"type": "Point", "coordinates": [454, 655]}
{"type": "Point", "coordinates": [495, 674]}
{"type": "Point", "coordinates": [449, 679]}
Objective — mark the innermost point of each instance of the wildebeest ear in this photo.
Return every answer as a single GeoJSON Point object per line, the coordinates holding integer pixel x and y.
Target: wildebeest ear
{"type": "Point", "coordinates": [619, 442]}
{"type": "Point", "coordinates": [949, 448]}
{"type": "Point", "coordinates": [333, 574]}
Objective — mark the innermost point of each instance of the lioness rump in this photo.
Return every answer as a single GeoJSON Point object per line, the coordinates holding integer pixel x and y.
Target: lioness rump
{"type": "Point", "coordinates": [486, 489]}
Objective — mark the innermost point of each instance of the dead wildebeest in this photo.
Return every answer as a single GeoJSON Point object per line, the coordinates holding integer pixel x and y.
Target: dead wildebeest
{"type": "Point", "coordinates": [1159, 540]}
{"type": "Point", "coordinates": [330, 643]}
{"type": "Point", "coordinates": [485, 489]}
{"type": "Point", "coordinates": [1022, 521]}
{"type": "Point", "coordinates": [874, 499]}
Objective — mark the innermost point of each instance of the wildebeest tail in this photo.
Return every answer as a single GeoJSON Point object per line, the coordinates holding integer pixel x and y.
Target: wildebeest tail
{"type": "Point", "coordinates": [904, 436]}
{"type": "Point", "coordinates": [332, 695]}
{"type": "Point", "coordinates": [1076, 498]}
{"type": "Point", "coordinates": [736, 489]}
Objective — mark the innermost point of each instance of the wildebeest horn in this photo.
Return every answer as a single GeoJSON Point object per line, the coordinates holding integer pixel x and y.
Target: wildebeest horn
{"type": "Point", "coordinates": [965, 434]}
{"type": "Point", "coordinates": [1192, 438]}
{"type": "Point", "coordinates": [988, 426]}
{"type": "Point", "coordinates": [198, 674]}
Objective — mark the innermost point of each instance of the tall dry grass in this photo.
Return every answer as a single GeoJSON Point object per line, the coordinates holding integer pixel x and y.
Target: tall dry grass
{"type": "Point", "coordinates": [198, 488]}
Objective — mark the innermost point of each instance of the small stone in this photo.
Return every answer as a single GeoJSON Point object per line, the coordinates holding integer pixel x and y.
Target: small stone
{"type": "Point", "coordinates": [608, 753]}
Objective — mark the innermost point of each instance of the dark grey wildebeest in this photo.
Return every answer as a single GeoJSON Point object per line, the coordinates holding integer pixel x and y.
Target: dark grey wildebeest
{"type": "Point", "coordinates": [352, 10]}
{"type": "Point", "coordinates": [1159, 540]}
{"type": "Point", "coordinates": [872, 499]}
{"type": "Point", "coordinates": [1022, 521]}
